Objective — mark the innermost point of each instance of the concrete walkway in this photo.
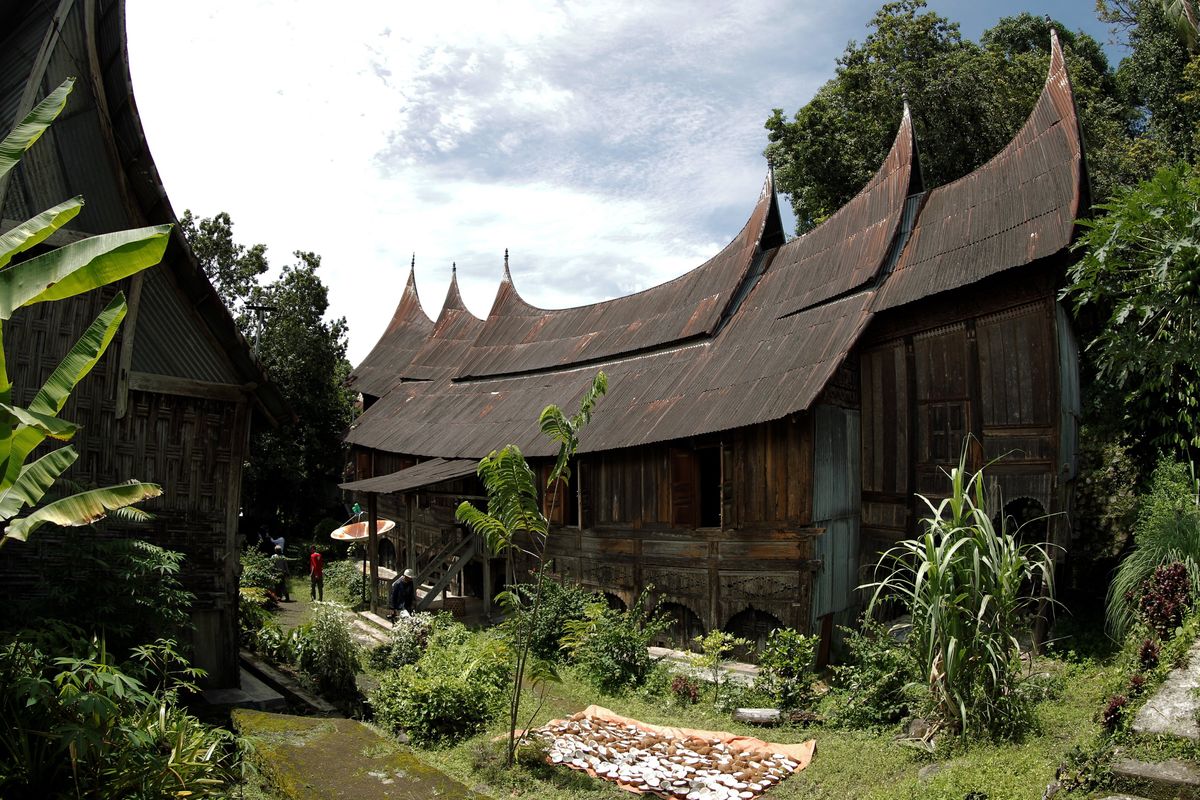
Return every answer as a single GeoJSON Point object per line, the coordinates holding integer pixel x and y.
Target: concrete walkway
{"type": "Point", "coordinates": [1173, 708]}
{"type": "Point", "coordinates": [315, 758]}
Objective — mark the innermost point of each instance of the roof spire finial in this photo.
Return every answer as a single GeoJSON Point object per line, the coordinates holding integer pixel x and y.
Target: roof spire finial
{"type": "Point", "coordinates": [453, 268]}
{"type": "Point", "coordinates": [507, 274]}
{"type": "Point", "coordinates": [413, 265]}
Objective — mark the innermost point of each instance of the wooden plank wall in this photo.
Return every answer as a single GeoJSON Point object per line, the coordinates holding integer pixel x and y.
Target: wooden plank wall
{"type": "Point", "coordinates": [992, 375]}
{"type": "Point", "coordinates": [193, 447]}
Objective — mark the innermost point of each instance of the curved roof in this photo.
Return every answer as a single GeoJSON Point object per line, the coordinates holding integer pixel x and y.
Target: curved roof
{"type": "Point", "coordinates": [764, 346]}
{"type": "Point", "coordinates": [405, 334]}
{"type": "Point", "coordinates": [1016, 208]}
{"type": "Point", "coordinates": [455, 330]}
{"type": "Point", "coordinates": [831, 260]}
{"type": "Point", "coordinates": [519, 337]}
{"type": "Point", "coordinates": [768, 360]}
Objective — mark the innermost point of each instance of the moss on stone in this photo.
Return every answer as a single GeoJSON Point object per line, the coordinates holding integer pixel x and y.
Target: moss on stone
{"type": "Point", "coordinates": [307, 758]}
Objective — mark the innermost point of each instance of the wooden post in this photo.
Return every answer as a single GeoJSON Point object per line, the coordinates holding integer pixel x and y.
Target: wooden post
{"type": "Point", "coordinates": [373, 547]}
{"type": "Point", "coordinates": [410, 554]}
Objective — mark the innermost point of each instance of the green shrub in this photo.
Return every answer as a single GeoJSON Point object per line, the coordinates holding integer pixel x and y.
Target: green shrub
{"type": "Point", "coordinates": [454, 690]}
{"type": "Point", "coordinates": [258, 572]}
{"type": "Point", "coordinates": [560, 604]}
{"type": "Point", "coordinates": [273, 644]}
{"type": "Point", "coordinates": [1168, 531]}
{"type": "Point", "coordinates": [80, 725]}
{"type": "Point", "coordinates": [608, 647]}
{"type": "Point", "coordinates": [327, 652]}
{"type": "Point", "coordinates": [969, 588]}
{"type": "Point", "coordinates": [253, 615]}
{"type": "Point", "coordinates": [871, 688]}
{"type": "Point", "coordinates": [716, 648]}
{"type": "Point", "coordinates": [785, 668]}
{"type": "Point", "coordinates": [407, 641]}
{"type": "Point", "coordinates": [344, 582]}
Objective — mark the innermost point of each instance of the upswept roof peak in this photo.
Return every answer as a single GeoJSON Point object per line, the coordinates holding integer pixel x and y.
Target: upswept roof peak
{"type": "Point", "coordinates": [1017, 208]}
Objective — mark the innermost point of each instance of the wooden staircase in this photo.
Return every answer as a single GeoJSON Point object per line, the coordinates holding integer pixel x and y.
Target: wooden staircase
{"type": "Point", "coordinates": [442, 568]}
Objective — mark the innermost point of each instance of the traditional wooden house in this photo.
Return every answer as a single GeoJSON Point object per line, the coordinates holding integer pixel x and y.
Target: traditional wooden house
{"type": "Point", "coordinates": [772, 413]}
{"type": "Point", "coordinates": [173, 400]}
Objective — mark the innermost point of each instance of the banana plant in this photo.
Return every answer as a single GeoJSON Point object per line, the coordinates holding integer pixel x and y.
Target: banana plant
{"type": "Point", "coordinates": [56, 275]}
{"type": "Point", "coordinates": [514, 520]}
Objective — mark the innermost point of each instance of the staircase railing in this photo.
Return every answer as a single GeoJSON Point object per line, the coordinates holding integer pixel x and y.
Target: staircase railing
{"type": "Point", "coordinates": [449, 566]}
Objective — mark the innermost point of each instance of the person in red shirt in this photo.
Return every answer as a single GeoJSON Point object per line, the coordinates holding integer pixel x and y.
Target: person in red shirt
{"type": "Point", "coordinates": [316, 569]}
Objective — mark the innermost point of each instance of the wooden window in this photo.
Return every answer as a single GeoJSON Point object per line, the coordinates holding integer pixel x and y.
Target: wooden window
{"type": "Point", "coordinates": [709, 480]}
{"type": "Point", "coordinates": [684, 511]}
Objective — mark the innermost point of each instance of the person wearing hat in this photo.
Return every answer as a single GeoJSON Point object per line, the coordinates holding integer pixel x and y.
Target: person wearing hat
{"type": "Point", "coordinates": [279, 562]}
{"type": "Point", "coordinates": [403, 594]}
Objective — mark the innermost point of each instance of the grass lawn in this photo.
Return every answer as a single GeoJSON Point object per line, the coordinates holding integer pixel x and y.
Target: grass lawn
{"type": "Point", "coordinates": [848, 764]}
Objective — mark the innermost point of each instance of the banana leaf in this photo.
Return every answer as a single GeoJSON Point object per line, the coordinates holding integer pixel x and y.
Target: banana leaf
{"type": "Point", "coordinates": [81, 509]}
{"type": "Point", "coordinates": [37, 230]}
{"type": "Point", "coordinates": [50, 399]}
{"type": "Point", "coordinates": [80, 267]}
{"type": "Point", "coordinates": [33, 126]}
{"type": "Point", "coordinates": [34, 481]}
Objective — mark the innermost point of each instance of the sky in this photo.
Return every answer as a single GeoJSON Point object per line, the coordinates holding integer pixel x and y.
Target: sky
{"type": "Point", "coordinates": [610, 146]}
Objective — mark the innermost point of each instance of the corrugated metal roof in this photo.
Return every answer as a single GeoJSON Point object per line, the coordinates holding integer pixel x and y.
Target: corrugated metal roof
{"type": "Point", "coordinates": [1017, 208]}
{"type": "Point", "coordinates": [427, 472]}
{"type": "Point", "coordinates": [406, 333]}
{"type": "Point", "coordinates": [766, 346]}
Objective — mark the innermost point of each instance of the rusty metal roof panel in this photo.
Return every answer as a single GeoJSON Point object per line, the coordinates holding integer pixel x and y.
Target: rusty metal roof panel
{"type": "Point", "coordinates": [833, 259]}
{"type": "Point", "coordinates": [405, 335]}
{"type": "Point", "coordinates": [424, 474]}
{"type": "Point", "coordinates": [519, 337]}
{"type": "Point", "coordinates": [1017, 208]}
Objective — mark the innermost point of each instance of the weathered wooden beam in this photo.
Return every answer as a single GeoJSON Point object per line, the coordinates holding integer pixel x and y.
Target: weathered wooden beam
{"type": "Point", "coordinates": [187, 387]}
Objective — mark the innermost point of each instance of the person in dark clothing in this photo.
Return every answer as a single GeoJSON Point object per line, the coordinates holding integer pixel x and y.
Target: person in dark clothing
{"type": "Point", "coordinates": [403, 594]}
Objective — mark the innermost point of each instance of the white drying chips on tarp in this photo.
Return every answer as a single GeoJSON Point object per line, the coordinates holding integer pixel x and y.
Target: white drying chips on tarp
{"type": "Point", "coordinates": [675, 763]}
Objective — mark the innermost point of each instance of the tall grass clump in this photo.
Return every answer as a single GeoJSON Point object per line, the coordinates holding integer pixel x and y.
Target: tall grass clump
{"type": "Point", "coordinates": [1167, 532]}
{"type": "Point", "coordinates": [970, 588]}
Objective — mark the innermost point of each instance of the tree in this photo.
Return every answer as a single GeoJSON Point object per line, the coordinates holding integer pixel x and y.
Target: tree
{"type": "Point", "coordinates": [514, 523]}
{"type": "Point", "coordinates": [56, 275]}
{"type": "Point", "coordinates": [1139, 275]}
{"type": "Point", "coordinates": [1156, 77]}
{"type": "Point", "coordinates": [292, 479]}
{"type": "Point", "coordinates": [233, 268]}
{"type": "Point", "coordinates": [966, 100]}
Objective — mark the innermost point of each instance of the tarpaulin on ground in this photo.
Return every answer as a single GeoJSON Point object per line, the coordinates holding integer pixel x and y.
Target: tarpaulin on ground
{"type": "Point", "coordinates": [668, 761]}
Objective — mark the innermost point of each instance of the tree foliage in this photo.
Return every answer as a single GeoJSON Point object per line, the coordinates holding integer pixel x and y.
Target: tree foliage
{"type": "Point", "coordinates": [966, 100]}
{"type": "Point", "coordinates": [1139, 273]}
{"type": "Point", "coordinates": [291, 480]}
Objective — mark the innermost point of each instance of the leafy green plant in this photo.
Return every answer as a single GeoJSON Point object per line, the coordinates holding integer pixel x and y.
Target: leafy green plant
{"type": "Point", "coordinates": [344, 582]}
{"type": "Point", "coordinates": [968, 587]}
{"type": "Point", "coordinates": [454, 690]}
{"type": "Point", "coordinates": [327, 652]}
{"type": "Point", "coordinates": [257, 571]}
{"type": "Point", "coordinates": [1168, 531]}
{"type": "Point", "coordinates": [785, 668]}
{"type": "Point", "coordinates": [1140, 270]}
{"type": "Point", "coordinates": [56, 275]}
{"type": "Point", "coordinates": [253, 615]}
{"type": "Point", "coordinates": [608, 647]}
{"type": "Point", "coordinates": [561, 603]}
{"type": "Point", "coordinates": [406, 642]}
{"type": "Point", "coordinates": [514, 520]}
{"type": "Point", "coordinates": [870, 689]}
{"type": "Point", "coordinates": [715, 648]}
{"type": "Point", "coordinates": [80, 725]}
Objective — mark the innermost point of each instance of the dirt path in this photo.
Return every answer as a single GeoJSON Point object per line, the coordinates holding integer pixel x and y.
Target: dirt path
{"type": "Point", "coordinates": [297, 612]}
